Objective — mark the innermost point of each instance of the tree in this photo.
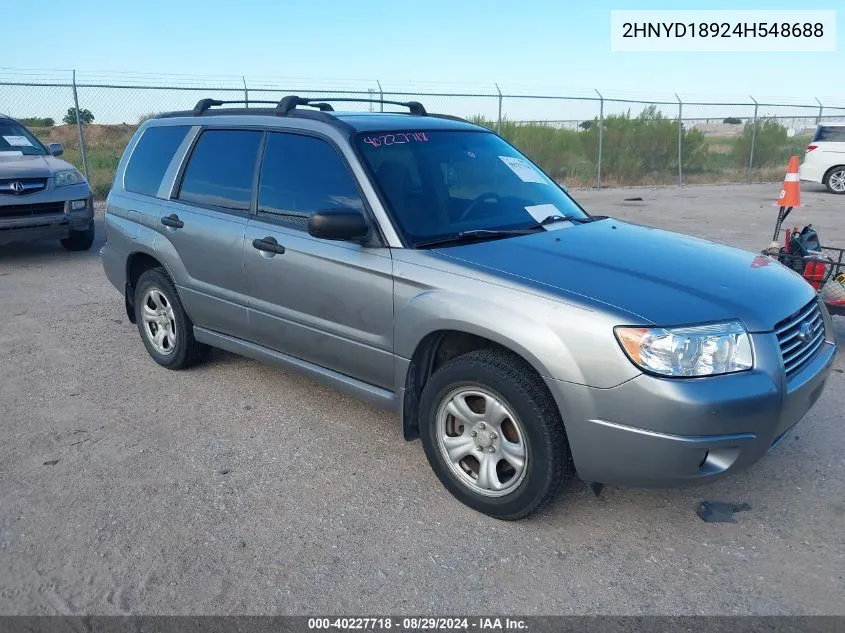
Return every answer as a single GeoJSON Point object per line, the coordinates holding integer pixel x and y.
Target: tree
{"type": "Point", "coordinates": [85, 116]}
{"type": "Point", "coordinates": [732, 120]}
{"type": "Point", "coordinates": [585, 125]}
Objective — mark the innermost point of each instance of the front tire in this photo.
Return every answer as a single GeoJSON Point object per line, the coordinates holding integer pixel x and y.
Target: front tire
{"type": "Point", "coordinates": [166, 329]}
{"type": "Point", "coordinates": [834, 180]}
{"type": "Point", "coordinates": [493, 434]}
{"type": "Point", "coordinates": [79, 240]}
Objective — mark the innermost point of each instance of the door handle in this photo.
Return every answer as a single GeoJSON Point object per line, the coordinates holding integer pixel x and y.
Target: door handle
{"type": "Point", "coordinates": [172, 220]}
{"type": "Point", "coordinates": [268, 245]}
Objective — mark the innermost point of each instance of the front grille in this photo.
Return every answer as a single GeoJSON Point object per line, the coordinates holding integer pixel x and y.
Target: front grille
{"type": "Point", "coordinates": [21, 186]}
{"type": "Point", "coordinates": [30, 210]}
{"type": "Point", "coordinates": [798, 346]}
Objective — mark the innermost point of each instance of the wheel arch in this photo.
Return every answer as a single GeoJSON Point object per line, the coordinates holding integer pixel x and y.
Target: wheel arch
{"type": "Point", "coordinates": [438, 347]}
{"type": "Point", "coordinates": [137, 264]}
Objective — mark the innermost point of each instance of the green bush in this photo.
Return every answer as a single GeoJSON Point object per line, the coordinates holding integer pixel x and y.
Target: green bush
{"type": "Point", "coordinates": [34, 121]}
{"type": "Point", "coordinates": [772, 145]}
{"type": "Point", "coordinates": [560, 153]}
{"type": "Point", "coordinates": [643, 149]}
{"type": "Point", "coordinates": [635, 149]}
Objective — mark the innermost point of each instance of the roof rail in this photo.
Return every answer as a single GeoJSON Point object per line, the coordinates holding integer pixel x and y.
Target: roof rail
{"type": "Point", "coordinates": [289, 103]}
{"type": "Point", "coordinates": [204, 104]}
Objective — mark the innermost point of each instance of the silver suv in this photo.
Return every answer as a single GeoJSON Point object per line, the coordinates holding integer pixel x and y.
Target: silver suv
{"type": "Point", "coordinates": [41, 196]}
{"type": "Point", "coordinates": [423, 263]}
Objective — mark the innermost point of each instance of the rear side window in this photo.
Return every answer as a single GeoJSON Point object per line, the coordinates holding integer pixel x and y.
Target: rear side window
{"type": "Point", "coordinates": [830, 133]}
{"type": "Point", "coordinates": [221, 169]}
{"type": "Point", "coordinates": [301, 175]}
{"type": "Point", "coordinates": [151, 158]}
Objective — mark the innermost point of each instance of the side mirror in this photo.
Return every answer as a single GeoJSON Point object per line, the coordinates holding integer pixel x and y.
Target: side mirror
{"type": "Point", "coordinates": [56, 149]}
{"type": "Point", "coordinates": [338, 224]}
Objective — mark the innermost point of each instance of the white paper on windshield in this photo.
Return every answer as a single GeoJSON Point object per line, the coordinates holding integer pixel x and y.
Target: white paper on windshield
{"type": "Point", "coordinates": [522, 169]}
{"type": "Point", "coordinates": [17, 141]}
{"type": "Point", "coordinates": [541, 211]}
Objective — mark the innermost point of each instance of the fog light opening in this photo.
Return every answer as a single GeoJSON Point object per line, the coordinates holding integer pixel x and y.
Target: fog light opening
{"type": "Point", "coordinates": [75, 205]}
{"type": "Point", "coordinates": [718, 460]}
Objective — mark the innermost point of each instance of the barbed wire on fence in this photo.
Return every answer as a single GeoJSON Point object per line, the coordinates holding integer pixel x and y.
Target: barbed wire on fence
{"type": "Point", "coordinates": [580, 139]}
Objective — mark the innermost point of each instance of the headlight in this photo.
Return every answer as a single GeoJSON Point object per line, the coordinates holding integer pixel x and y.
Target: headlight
{"type": "Point", "coordinates": [704, 350]}
{"type": "Point", "coordinates": [68, 177]}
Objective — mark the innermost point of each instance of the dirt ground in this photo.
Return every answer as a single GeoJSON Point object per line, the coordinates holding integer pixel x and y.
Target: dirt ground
{"type": "Point", "coordinates": [240, 488]}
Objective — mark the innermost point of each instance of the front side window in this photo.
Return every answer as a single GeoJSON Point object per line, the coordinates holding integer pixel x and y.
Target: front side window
{"type": "Point", "coordinates": [441, 183]}
{"type": "Point", "coordinates": [16, 138]}
{"type": "Point", "coordinates": [221, 169]}
{"type": "Point", "coordinates": [301, 175]}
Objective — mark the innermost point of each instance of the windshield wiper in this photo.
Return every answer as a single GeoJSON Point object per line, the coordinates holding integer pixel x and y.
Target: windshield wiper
{"type": "Point", "coordinates": [479, 234]}
{"type": "Point", "coordinates": [563, 218]}
{"type": "Point", "coordinates": [474, 235]}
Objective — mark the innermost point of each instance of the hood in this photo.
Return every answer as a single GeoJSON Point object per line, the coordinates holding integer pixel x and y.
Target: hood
{"type": "Point", "coordinates": [662, 277]}
{"type": "Point", "coordinates": [14, 166]}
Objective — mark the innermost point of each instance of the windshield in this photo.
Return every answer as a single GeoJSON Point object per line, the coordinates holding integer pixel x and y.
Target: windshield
{"type": "Point", "coordinates": [16, 138]}
{"type": "Point", "coordinates": [441, 183]}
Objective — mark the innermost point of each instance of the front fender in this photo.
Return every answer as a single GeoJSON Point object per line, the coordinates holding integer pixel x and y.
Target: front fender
{"type": "Point", "coordinates": [562, 340]}
{"type": "Point", "coordinates": [524, 331]}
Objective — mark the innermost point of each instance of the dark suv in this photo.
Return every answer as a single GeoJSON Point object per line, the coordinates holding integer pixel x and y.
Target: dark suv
{"type": "Point", "coordinates": [423, 263]}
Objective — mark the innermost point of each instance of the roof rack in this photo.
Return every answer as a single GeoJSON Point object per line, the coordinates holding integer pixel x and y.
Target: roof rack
{"type": "Point", "coordinates": [287, 106]}
{"type": "Point", "coordinates": [289, 103]}
{"type": "Point", "coordinates": [204, 104]}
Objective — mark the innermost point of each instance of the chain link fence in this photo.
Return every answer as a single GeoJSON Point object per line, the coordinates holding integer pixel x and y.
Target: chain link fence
{"type": "Point", "coordinates": [583, 141]}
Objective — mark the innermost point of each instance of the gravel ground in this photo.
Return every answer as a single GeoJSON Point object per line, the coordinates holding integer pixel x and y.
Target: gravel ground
{"type": "Point", "coordinates": [240, 488]}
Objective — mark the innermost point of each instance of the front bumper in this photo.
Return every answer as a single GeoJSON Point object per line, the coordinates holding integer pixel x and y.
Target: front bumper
{"type": "Point", "coordinates": [657, 432]}
{"type": "Point", "coordinates": [47, 226]}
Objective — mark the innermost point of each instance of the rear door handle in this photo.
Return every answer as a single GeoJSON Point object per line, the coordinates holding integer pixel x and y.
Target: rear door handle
{"type": "Point", "coordinates": [172, 220]}
{"type": "Point", "coordinates": [268, 245]}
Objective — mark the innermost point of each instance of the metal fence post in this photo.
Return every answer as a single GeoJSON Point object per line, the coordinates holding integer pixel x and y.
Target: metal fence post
{"type": "Point", "coordinates": [821, 110]}
{"type": "Point", "coordinates": [680, 141]}
{"type": "Point", "coordinates": [380, 96]}
{"type": "Point", "coordinates": [601, 138]}
{"type": "Point", "coordinates": [753, 139]}
{"type": "Point", "coordinates": [79, 129]}
{"type": "Point", "coordinates": [246, 92]}
{"type": "Point", "coordinates": [499, 119]}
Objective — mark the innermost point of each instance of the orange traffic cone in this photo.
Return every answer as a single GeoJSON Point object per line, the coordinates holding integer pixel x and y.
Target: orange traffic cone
{"type": "Point", "coordinates": [790, 194]}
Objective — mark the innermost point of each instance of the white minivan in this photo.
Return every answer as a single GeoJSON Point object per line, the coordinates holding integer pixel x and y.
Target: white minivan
{"type": "Point", "coordinates": [824, 161]}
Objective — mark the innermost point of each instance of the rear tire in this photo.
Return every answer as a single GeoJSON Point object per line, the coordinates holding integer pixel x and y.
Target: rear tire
{"type": "Point", "coordinates": [79, 240]}
{"type": "Point", "coordinates": [493, 434]}
{"type": "Point", "coordinates": [834, 180]}
{"type": "Point", "coordinates": [166, 330]}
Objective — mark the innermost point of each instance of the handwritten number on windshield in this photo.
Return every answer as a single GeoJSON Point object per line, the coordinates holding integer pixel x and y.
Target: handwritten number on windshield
{"type": "Point", "coordinates": [399, 138]}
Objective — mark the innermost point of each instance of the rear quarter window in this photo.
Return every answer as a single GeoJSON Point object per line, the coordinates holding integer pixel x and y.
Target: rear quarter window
{"type": "Point", "coordinates": [830, 133]}
{"type": "Point", "coordinates": [151, 157]}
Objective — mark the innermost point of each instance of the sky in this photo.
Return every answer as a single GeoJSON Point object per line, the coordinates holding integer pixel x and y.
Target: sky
{"type": "Point", "coordinates": [528, 46]}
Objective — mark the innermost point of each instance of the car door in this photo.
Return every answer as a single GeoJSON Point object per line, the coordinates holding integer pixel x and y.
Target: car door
{"type": "Point", "coordinates": [326, 302]}
{"type": "Point", "coordinates": [203, 224]}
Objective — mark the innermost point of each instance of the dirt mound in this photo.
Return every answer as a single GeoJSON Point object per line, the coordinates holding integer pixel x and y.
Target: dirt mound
{"type": "Point", "coordinates": [96, 135]}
